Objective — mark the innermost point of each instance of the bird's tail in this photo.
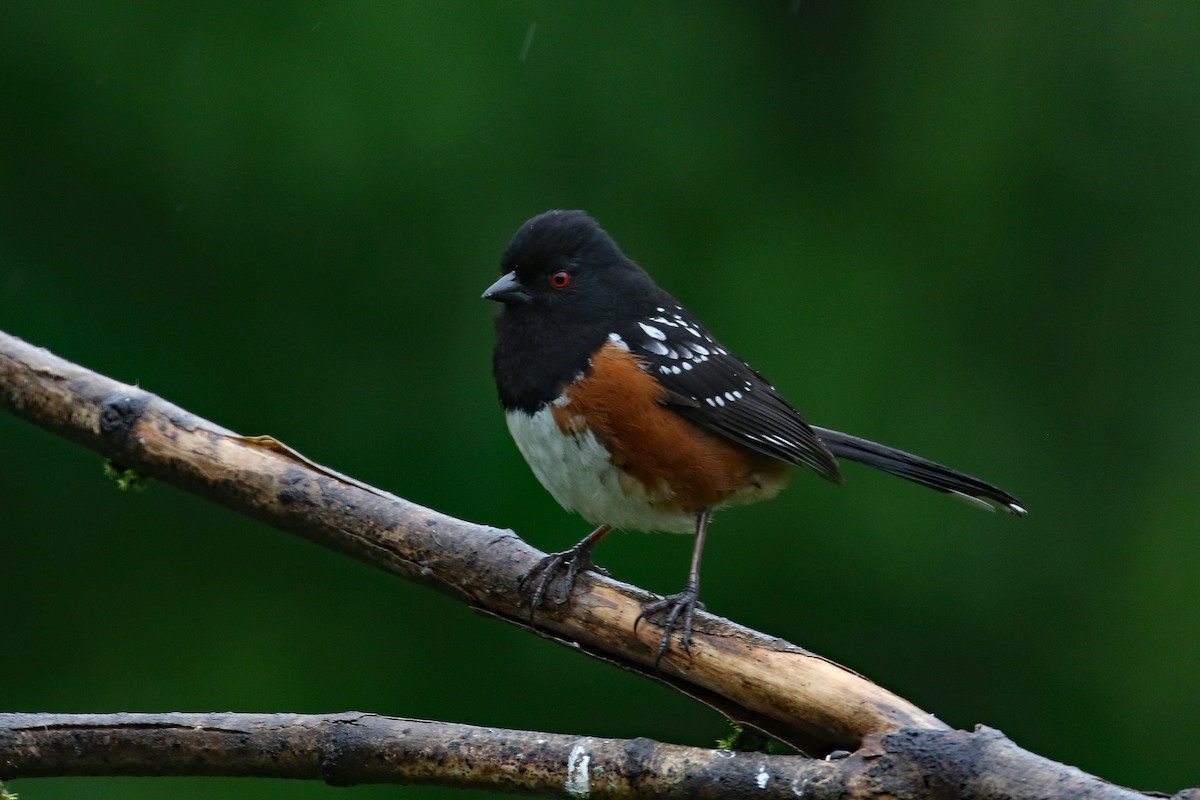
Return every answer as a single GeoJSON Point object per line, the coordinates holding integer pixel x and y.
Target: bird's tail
{"type": "Point", "coordinates": [918, 470]}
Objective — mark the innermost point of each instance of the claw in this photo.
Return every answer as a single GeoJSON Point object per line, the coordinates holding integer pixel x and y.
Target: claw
{"type": "Point", "coordinates": [679, 610]}
{"type": "Point", "coordinates": [542, 574]}
{"type": "Point", "coordinates": [681, 607]}
{"type": "Point", "coordinates": [576, 559]}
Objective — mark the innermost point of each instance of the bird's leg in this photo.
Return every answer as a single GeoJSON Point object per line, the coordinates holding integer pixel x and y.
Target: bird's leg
{"type": "Point", "coordinates": [680, 607]}
{"type": "Point", "coordinates": [575, 559]}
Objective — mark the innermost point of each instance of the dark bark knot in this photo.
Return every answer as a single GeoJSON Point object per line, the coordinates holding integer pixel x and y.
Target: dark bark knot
{"type": "Point", "coordinates": [118, 413]}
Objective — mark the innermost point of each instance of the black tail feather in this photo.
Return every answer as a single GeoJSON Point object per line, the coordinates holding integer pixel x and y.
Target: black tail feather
{"type": "Point", "coordinates": [918, 470]}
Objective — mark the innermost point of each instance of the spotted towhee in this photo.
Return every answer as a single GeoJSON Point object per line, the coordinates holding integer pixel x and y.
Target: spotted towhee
{"type": "Point", "coordinates": [630, 413]}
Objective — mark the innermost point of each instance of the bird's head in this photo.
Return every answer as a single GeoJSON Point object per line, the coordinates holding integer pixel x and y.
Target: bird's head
{"type": "Point", "coordinates": [562, 264]}
{"type": "Point", "coordinates": [565, 286]}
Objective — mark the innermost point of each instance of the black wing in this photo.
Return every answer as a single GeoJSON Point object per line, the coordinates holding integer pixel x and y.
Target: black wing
{"type": "Point", "coordinates": [719, 392]}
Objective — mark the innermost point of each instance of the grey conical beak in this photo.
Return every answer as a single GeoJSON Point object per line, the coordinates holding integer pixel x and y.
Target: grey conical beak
{"type": "Point", "coordinates": [508, 290]}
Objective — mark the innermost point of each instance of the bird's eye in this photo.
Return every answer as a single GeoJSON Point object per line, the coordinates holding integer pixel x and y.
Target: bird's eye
{"type": "Point", "coordinates": [560, 279]}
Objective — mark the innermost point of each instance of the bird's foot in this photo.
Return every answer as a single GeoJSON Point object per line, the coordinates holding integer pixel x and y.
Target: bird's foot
{"type": "Point", "coordinates": [677, 611]}
{"type": "Point", "coordinates": [540, 576]}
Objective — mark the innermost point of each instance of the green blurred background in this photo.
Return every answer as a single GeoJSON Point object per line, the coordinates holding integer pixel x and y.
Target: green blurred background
{"type": "Point", "coordinates": [966, 229]}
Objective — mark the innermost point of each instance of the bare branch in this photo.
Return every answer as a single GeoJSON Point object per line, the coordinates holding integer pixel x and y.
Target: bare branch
{"type": "Point", "coordinates": [355, 748]}
{"type": "Point", "coordinates": [754, 679]}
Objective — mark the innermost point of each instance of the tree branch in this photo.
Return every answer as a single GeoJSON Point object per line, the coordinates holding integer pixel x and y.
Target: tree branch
{"type": "Point", "coordinates": [355, 748]}
{"type": "Point", "coordinates": [754, 679]}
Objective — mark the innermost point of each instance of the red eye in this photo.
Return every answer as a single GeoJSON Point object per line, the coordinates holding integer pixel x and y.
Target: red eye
{"type": "Point", "coordinates": [559, 280]}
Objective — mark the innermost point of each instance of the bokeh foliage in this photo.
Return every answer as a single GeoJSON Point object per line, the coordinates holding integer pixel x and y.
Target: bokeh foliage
{"type": "Point", "coordinates": [968, 229]}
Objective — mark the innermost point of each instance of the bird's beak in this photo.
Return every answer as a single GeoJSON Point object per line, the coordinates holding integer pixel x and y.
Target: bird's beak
{"type": "Point", "coordinates": [508, 290]}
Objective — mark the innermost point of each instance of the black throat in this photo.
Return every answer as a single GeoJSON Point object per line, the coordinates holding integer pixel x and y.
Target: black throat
{"type": "Point", "coordinates": [535, 358]}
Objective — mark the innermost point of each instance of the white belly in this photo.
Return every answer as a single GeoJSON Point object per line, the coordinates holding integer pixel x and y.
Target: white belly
{"type": "Point", "coordinates": [577, 471]}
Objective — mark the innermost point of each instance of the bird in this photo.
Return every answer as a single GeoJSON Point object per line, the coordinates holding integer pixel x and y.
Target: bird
{"type": "Point", "coordinates": [631, 414]}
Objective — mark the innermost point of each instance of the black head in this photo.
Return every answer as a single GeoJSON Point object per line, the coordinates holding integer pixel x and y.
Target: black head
{"type": "Point", "coordinates": [565, 285]}
{"type": "Point", "coordinates": [564, 259]}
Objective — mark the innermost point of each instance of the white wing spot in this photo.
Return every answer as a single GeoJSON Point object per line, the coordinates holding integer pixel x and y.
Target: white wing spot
{"type": "Point", "coordinates": [731, 397]}
{"type": "Point", "coordinates": [658, 348]}
{"type": "Point", "coordinates": [652, 332]}
{"type": "Point", "coordinates": [711, 402]}
{"type": "Point", "coordinates": [675, 370]}
{"type": "Point", "coordinates": [686, 365]}
{"type": "Point", "coordinates": [720, 400]}
{"type": "Point", "coordinates": [616, 339]}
